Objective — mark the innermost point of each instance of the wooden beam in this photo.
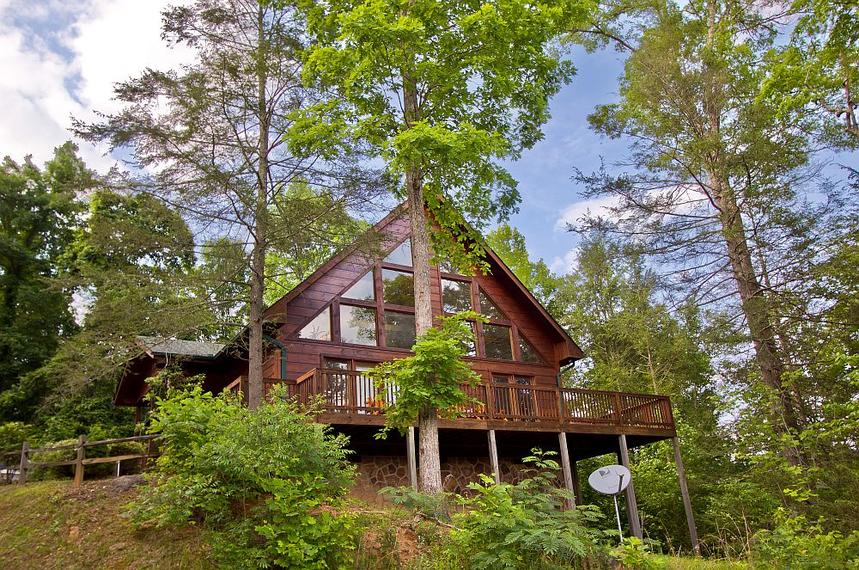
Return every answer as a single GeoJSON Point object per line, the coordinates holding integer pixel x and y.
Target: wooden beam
{"type": "Point", "coordinates": [493, 456]}
{"type": "Point", "coordinates": [410, 454]}
{"type": "Point", "coordinates": [631, 505]}
{"type": "Point", "coordinates": [567, 469]}
{"type": "Point", "coordinates": [79, 461]}
{"type": "Point", "coordinates": [687, 501]}
{"type": "Point", "coordinates": [577, 488]}
{"type": "Point", "coordinates": [24, 466]}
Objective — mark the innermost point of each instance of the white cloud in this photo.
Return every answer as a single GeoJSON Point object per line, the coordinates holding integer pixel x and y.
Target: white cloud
{"type": "Point", "coordinates": [571, 214]}
{"type": "Point", "coordinates": [59, 61]}
{"type": "Point", "coordinates": [566, 264]}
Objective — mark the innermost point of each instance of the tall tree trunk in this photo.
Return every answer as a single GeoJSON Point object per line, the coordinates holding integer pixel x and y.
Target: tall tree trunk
{"type": "Point", "coordinates": [257, 306]}
{"type": "Point", "coordinates": [430, 463]}
{"type": "Point", "coordinates": [753, 299]}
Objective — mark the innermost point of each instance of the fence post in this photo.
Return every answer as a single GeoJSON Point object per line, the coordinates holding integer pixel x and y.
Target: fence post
{"type": "Point", "coordinates": [23, 466]}
{"type": "Point", "coordinates": [79, 462]}
{"type": "Point", "coordinates": [617, 409]}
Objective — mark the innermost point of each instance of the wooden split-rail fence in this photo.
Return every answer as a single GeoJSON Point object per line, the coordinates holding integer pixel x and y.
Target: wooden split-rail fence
{"type": "Point", "coordinates": [26, 463]}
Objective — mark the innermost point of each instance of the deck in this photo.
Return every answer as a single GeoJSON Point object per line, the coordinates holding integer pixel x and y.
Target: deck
{"type": "Point", "coordinates": [352, 398]}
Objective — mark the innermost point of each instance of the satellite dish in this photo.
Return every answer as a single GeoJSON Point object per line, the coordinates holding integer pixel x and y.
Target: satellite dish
{"type": "Point", "coordinates": [610, 480]}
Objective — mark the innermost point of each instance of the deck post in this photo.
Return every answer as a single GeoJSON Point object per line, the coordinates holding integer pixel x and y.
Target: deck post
{"type": "Point", "coordinates": [79, 461]}
{"type": "Point", "coordinates": [631, 505]}
{"type": "Point", "coordinates": [567, 469]}
{"type": "Point", "coordinates": [23, 466]}
{"type": "Point", "coordinates": [493, 457]}
{"type": "Point", "coordinates": [687, 501]}
{"type": "Point", "coordinates": [577, 488]}
{"type": "Point", "coordinates": [410, 454]}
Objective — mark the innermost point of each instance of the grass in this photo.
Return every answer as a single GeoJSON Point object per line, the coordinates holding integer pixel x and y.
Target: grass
{"type": "Point", "coordinates": [49, 525]}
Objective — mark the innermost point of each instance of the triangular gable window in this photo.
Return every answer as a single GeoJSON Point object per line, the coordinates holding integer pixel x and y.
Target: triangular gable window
{"type": "Point", "coordinates": [363, 290]}
{"type": "Point", "coordinates": [319, 328]}
{"type": "Point", "coordinates": [490, 309]}
{"type": "Point", "coordinates": [527, 352]}
{"type": "Point", "coordinates": [402, 255]}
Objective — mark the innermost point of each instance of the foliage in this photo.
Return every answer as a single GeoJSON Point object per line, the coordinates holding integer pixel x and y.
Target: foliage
{"type": "Point", "coordinates": [509, 243]}
{"type": "Point", "coordinates": [432, 377]}
{"type": "Point", "coordinates": [435, 506]}
{"type": "Point", "coordinates": [14, 434]}
{"type": "Point", "coordinates": [523, 525]}
{"type": "Point", "coordinates": [40, 211]}
{"type": "Point", "coordinates": [813, 71]}
{"type": "Point", "coordinates": [634, 553]}
{"type": "Point", "coordinates": [265, 484]}
{"type": "Point", "coordinates": [796, 543]}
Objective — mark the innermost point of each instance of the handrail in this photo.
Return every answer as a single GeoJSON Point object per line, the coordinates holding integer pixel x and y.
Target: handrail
{"type": "Point", "coordinates": [355, 392]}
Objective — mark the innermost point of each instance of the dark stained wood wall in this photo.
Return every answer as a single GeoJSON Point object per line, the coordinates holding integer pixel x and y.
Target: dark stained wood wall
{"type": "Point", "coordinates": [298, 309]}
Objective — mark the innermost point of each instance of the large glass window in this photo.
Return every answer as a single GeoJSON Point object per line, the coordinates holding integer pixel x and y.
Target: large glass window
{"type": "Point", "coordinates": [398, 288]}
{"type": "Point", "coordinates": [527, 351]}
{"type": "Point", "coordinates": [363, 290]}
{"type": "Point", "coordinates": [399, 329]}
{"type": "Point", "coordinates": [319, 328]}
{"type": "Point", "coordinates": [490, 309]}
{"type": "Point", "coordinates": [496, 341]}
{"type": "Point", "coordinates": [402, 255]}
{"type": "Point", "coordinates": [357, 325]}
{"type": "Point", "coordinates": [456, 295]}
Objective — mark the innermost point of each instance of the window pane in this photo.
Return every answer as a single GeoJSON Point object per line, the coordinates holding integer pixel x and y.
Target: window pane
{"type": "Point", "coordinates": [398, 287]}
{"type": "Point", "coordinates": [402, 255]}
{"type": "Point", "coordinates": [527, 351]}
{"type": "Point", "coordinates": [357, 325]}
{"type": "Point", "coordinates": [336, 363]}
{"type": "Point", "coordinates": [471, 346]}
{"type": "Point", "coordinates": [319, 328]}
{"type": "Point", "coordinates": [363, 290]}
{"type": "Point", "coordinates": [456, 295]}
{"type": "Point", "coordinates": [496, 339]}
{"type": "Point", "coordinates": [399, 329]}
{"type": "Point", "coordinates": [490, 309]}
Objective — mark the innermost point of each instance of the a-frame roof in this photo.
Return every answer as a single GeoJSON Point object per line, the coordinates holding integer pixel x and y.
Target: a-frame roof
{"type": "Point", "coordinates": [498, 269]}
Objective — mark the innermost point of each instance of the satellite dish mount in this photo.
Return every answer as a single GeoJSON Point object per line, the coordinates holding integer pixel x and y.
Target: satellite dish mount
{"type": "Point", "coordinates": [611, 480]}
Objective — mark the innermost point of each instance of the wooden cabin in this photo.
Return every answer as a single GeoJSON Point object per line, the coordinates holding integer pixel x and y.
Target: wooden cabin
{"type": "Point", "coordinates": [358, 310]}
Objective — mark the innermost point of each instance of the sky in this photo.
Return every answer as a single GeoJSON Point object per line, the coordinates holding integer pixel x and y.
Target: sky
{"type": "Point", "coordinates": [60, 59]}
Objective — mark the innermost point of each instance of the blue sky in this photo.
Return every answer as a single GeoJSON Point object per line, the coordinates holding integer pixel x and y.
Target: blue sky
{"type": "Point", "coordinates": [59, 59]}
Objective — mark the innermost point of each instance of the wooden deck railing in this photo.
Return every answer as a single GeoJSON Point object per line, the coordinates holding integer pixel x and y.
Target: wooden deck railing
{"type": "Point", "coordinates": [355, 393]}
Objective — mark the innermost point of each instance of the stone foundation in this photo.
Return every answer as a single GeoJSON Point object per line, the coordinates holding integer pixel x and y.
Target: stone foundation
{"type": "Point", "coordinates": [456, 472]}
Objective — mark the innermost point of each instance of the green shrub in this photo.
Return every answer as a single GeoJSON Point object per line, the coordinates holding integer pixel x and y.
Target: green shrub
{"type": "Point", "coordinates": [635, 553]}
{"type": "Point", "coordinates": [266, 484]}
{"type": "Point", "coordinates": [523, 525]}
{"type": "Point", "coordinates": [795, 543]}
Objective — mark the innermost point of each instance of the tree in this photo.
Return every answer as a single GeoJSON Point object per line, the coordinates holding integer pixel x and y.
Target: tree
{"type": "Point", "coordinates": [130, 266]}
{"type": "Point", "coordinates": [441, 91]}
{"type": "Point", "coordinates": [208, 138]}
{"type": "Point", "coordinates": [39, 210]}
{"type": "Point", "coordinates": [714, 187]}
{"type": "Point", "coordinates": [509, 243]}
{"type": "Point", "coordinates": [817, 69]}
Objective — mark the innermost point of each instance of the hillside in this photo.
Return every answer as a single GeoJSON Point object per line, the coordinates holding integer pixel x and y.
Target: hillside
{"type": "Point", "coordinates": [50, 525]}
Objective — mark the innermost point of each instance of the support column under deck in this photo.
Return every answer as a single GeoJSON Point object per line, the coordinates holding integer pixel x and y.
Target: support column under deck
{"type": "Point", "coordinates": [631, 504]}
{"type": "Point", "coordinates": [687, 501]}
{"type": "Point", "coordinates": [410, 455]}
{"type": "Point", "coordinates": [493, 456]}
{"type": "Point", "coordinates": [567, 469]}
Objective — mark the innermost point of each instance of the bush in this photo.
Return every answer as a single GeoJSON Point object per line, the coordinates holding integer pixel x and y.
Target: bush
{"type": "Point", "coordinates": [523, 525]}
{"type": "Point", "coordinates": [796, 543]}
{"type": "Point", "coordinates": [266, 484]}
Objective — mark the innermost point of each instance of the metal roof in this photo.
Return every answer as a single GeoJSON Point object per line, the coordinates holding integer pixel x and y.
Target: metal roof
{"type": "Point", "coordinates": [180, 347]}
